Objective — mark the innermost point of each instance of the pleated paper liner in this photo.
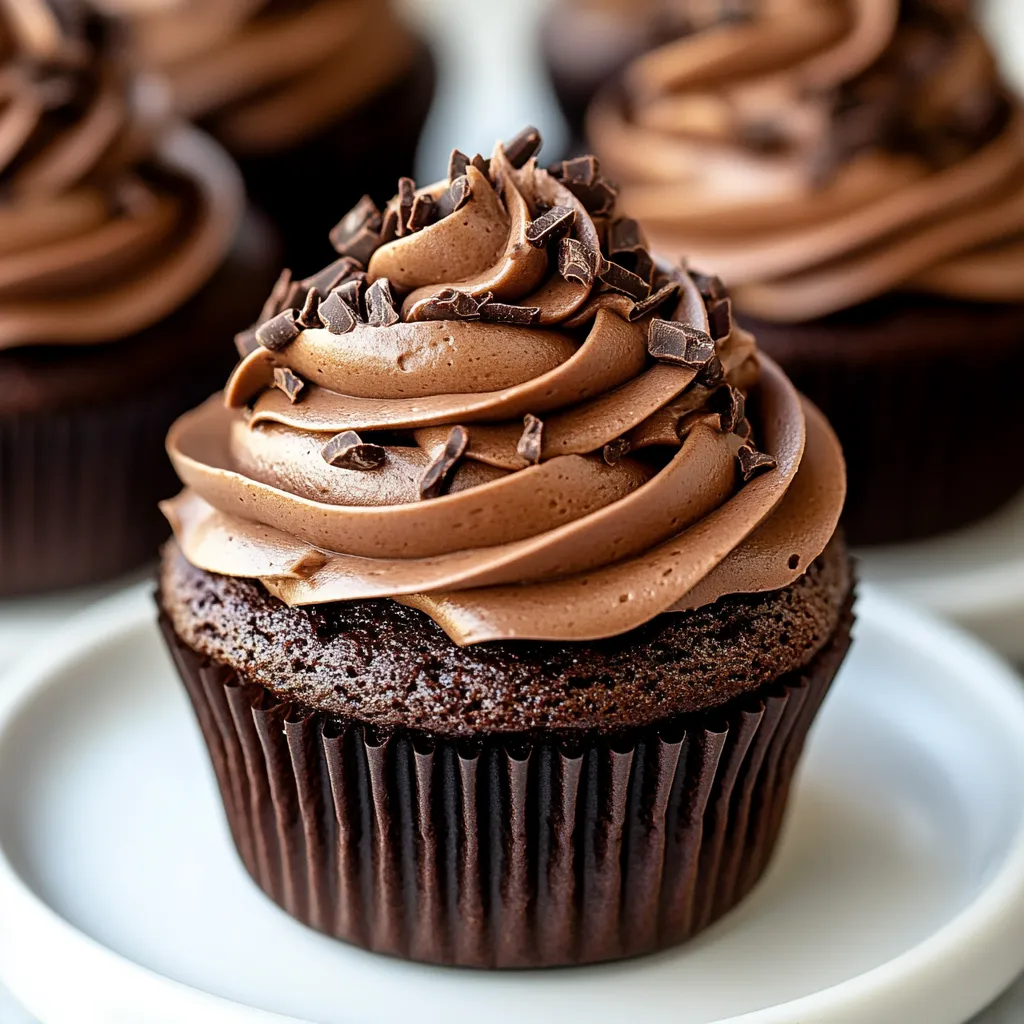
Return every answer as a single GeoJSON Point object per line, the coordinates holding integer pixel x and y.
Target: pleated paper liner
{"type": "Point", "coordinates": [521, 853]}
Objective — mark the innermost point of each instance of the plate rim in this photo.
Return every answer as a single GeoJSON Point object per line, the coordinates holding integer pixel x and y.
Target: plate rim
{"type": "Point", "coordinates": [985, 931]}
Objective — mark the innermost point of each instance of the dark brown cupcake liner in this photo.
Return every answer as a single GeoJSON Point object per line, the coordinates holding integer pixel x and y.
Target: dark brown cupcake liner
{"type": "Point", "coordinates": [514, 852]}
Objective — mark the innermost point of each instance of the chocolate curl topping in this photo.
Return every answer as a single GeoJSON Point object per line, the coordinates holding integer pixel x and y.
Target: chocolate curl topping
{"type": "Point", "coordinates": [389, 227]}
{"type": "Point", "coordinates": [357, 234]}
{"type": "Point", "coordinates": [482, 165]}
{"type": "Point", "coordinates": [578, 263]}
{"type": "Point", "coordinates": [731, 405]}
{"type": "Point", "coordinates": [582, 176]}
{"type": "Point", "coordinates": [525, 145]}
{"type": "Point", "coordinates": [450, 304]}
{"type": "Point", "coordinates": [752, 462]}
{"type": "Point", "coordinates": [333, 274]}
{"type": "Point", "coordinates": [621, 280]}
{"type": "Point", "coordinates": [308, 318]}
{"type": "Point", "coordinates": [712, 374]}
{"type": "Point", "coordinates": [655, 301]}
{"type": "Point", "coordinates": [347, 451]}
{"type": "Point", "coordinates": [286, 381]}
{"type": "Point", "coordinates": [506, 313]}
{"type": "Point", "coordinates": [680, 344]}
{"type": "Point", "coordinates": [275, 300]}
{"type": "Point", "coordinates": [421, 214]}
{"type": "Point", "coordinates": [336, 314]}
{"type": "Point", "coordinates": [406, 200]}
{"type": "Point", "coordinates": [457, 164]}
{"type": "Point", "coordinates": [279, 331]}
{"type": "Point", "coordinates": [245, 342]}
{"type": "Point", "coordinates": [709, 285]}
{"type": "Point", "coordinates": [628, 247]}
{"type": "Point", "coordinates": [551, 226]}
{"type": "Point", "coordinates": [455, 197]}
{"type": "Point", "coordinates": [531, 441]}
{"type": "Point", "coordinates": [380, 306]}
{"type": "Point", "coordinates": [614, 451]}
{"type": "Point", "coordinates": [436, 476]}
{"type": "Point", "coordinates": [720, 318]}
{"type": "Point", "coordinates": [351, 292]}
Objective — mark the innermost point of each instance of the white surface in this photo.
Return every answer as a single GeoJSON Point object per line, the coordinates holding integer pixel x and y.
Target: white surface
{"type": "Point", "coordinates": [897, 895]}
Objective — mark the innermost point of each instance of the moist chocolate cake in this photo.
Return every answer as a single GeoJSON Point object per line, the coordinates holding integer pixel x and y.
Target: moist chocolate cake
{"type": "Point", "coordinates": [855, 171]}
{"type": "Point", "coordinates": [313, 98]}
{"type": "Point", "coordinates": [126, 254]}
{"type": "Point", "coordinates": [505, 581]}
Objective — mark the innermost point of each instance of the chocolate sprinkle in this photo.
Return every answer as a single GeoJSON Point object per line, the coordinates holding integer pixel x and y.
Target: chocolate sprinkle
{"type": "Point", "coordinates": [457, 164]}
{"type": "Point", "coordinates": [578, 262]}
{"type": "Point", "coordinates": [289, 383]}
{"type": "Point", "coordinates": [336, 314]}
{"type": "Point", "coordinates": [279, 331]}
{"type": "Point", "coordinates": [731, 405]}
{"type": "Point", "coordinates": [531, 441]}
{"type": "Point", "coordinates": [435, 477]}
{"type": "Point", "coordinates": [525, 145]}
{"type": "Point", "coordinates": [422, 212]}
{"type": "Point", "coordinates": [450, 304]}
{"type": "Point", "coordinates": [655, 301]}
{"type": "Point", "coordinates": [455, 197]}
{"type": "Point", "coordinates": [308, 317]}
{"type": "Point", "coordinates": [709, 285]}
{"type": "Point", "coordinates": [551, 226]}
{"type": "Point", "coordinates": [357, 234]}
{"type": "Point", "coordinates": [245, 342]}
{"type": "Point", "coordinates": [406, 198]}
{"type": "Point", "coordinates": [680, 344]}
{"type": "Point", "coordinates": [380, 306]}
{"type": "Point", "coordinates": [752, 462]}
{"type": "Point", "coordinates": [619, 279]}
{"type": "Point", "coordinates": [507, 313]}
{"type": "Point", "coordinates": [720, 318]}
{"type": "Point", "coordinates": [614, 451]}
{"type": "Point", "coordinates": [347, 451]}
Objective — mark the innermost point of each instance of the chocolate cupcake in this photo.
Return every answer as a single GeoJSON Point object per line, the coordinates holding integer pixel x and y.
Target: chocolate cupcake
{"type": "Point", "coordinates": [317, 100]}
{"type": "Point", "coordinates": [505, 583]}
{"type": "Point", "coordinates": [126, 255]}
{"type": "Point", "coordinates": [856, 172]}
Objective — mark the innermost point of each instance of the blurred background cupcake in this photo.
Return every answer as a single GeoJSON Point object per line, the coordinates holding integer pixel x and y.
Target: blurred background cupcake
{"type": "Point", "coordinates": [315, 99]}
{"type": "Point", "coordinates": [127, 259]}
{"type": "Point", "coordinates": [855, 171]}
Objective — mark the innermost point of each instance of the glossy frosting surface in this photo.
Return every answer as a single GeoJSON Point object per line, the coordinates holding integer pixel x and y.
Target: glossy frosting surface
{"type": "Point", "coordinates": [112, 214]}
{"type": "Point", "coordinates": [513, 420]}
{"type": "Point", "coordinates": [819, 153]}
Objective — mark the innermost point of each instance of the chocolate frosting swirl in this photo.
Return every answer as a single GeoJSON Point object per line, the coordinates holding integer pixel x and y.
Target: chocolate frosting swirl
{"type": "Point", "coordinates": [111, 213]}
{"type": "Point", "coordinates": [263, 75]}
{"type": "Point", "coordinates": [819, 153]}
{"type": "Point", "coordinates": [513, 419]}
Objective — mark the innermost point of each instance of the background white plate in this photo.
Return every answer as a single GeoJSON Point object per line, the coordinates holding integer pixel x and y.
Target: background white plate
{"type": "Point", "coordinates": [898, 894]}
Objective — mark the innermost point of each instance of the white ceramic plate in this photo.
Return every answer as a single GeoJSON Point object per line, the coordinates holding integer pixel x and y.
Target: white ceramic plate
{"type": "Point", "coordinates": [897, 895]}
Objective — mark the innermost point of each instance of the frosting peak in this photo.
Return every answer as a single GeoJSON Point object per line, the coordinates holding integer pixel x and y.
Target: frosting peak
{"type": "Point", "coordinates": [818, 153]}
{"type": "Point", "coordinates": [496, 406]}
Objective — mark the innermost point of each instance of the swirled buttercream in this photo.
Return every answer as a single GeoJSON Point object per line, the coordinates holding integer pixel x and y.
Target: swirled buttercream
{"type": "Point", "coordinates": [819, 153]}
{"type": "Point", "coordinates": [112, 214]}
{"type": "Point", "coordinates": [512, 419]}
{"type": "Point", "coordinates": [263, 75]}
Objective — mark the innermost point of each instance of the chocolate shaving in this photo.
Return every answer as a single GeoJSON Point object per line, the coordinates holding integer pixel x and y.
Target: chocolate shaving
{"type": "Point", "coordinates": [389, 226]}
{"type": "Point", "coordinates": [532, 439]}
{"type": "Point", "coordinates": [709, 285]}
{"type": "Point", "coordinates": [619, 279]}
{"type": "Point", "coordinates": [450, 304]}
{"type": "Point", "coordinates": [422, 212]}
{"type": "Point", "coordinates": [752, 462]}
{"type": "Point", "coordinates": [720, 318]}
{"type": "Point", "coordinates": [245, 342]}
{"type": "Point", "coordinates": [731, 406]}
{"type": "Point", "coordinates": [712, 374]}
{"type": "Point", "coordinates": [289, 383]}
{"type": "Point", "coordinates": [333, 274]}
{"type": "Point", "coordinates": [357, 234]}
{"type": "Point", "coordinates": [351, 292]}
{"type": "Point", "coordinates": [551, 226]}
{"type": "Point", "coordinates": [582, 176]}
{"type": "Point", "coordinates": [347, 451]}
{"type": "Point", "coordinates": [336, 314]}
{"type": "Point", "coordinates": [308, 318]}
{"type": "Point", "coordinates": [455, 197]}
{"type": "Point", "coordinates": [578, 263]}
{"type": "Point", "coordinates": [279, 331]}
{"type": "Point", "coordinates": [507, 313]}
{"type": "Point", "coordinates": [457, 164]}
{"type": "Point", "coordinates": [275, 301]}
{"type": "Point", "coordinates": [580, 170]}
{"type": "Point", "coordinates": [436, 476]}
{"type": "Point", "coordinates": [406, 198]}
{"type": "Point", "coordinates": [482, 165]}
{"type": "Point", "coordinates": [628, 247]}
{"type": "Point", "coordinates": [380, 306]}
{"type": "Point", "coordinates": [525, 145]}
{"type": "Point", "coordinates": [655, 301]}
{"type": "Point", "coordinates": [680, 344]}
{"type": "Point", "coordinates": [614, 451]}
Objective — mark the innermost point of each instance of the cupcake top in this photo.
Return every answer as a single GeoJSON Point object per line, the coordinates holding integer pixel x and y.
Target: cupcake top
{"type": "Point", "coordinates": [494, 406]}
{"type": "Point", "coordinates": [819, 153]}
{"type": "Point", "coordinates": [111, 214]}
{"type": "Point", "coordinates": [263, 75]}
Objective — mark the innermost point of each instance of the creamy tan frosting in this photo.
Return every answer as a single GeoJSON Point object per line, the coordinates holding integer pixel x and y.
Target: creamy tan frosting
{"type": "Point", "coordinates": [600, 472]}
{"type": "Point", "coordinates": [112, 214]}
{"type": "Point", "coordinates": [265, 74]}
{"type": "Point", "coordinates": [819, 153]}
